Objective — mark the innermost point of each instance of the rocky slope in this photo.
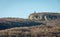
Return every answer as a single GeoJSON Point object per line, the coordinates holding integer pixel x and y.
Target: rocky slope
{"type": "Point", "coordinates": [30, 28]}
{"type": "Point", "coordinates": [18, 27]}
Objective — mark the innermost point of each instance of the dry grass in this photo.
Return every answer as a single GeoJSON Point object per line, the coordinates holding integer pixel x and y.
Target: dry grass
{"type": "Point", "coordinates": [51, 29]}
{"type": "Point", "coordinates": [34, 31]}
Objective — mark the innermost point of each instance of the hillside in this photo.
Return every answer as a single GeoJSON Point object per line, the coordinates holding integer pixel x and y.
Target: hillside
{"type": "Point", "coordinates": [6, 23]}
{"type": "Point", "coordinates": [33, 31]}
{"type": "Point", "coordinates": [37, 25]}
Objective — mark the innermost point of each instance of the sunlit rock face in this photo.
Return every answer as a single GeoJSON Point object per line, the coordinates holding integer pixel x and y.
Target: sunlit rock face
{"type": "Point", "coordinates": [44, 16]}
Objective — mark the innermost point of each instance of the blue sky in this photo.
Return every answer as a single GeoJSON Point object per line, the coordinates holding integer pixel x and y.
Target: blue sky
{"type": "Point", "coordinates": [22, 8]}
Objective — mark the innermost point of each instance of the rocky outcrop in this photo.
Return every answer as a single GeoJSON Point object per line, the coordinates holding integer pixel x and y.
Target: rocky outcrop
{"type": "Point", "coordinates": [44, 16]}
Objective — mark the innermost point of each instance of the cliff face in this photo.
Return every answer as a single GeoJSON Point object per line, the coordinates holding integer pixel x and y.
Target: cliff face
{"type": "Point", "coordinates": [44, 16]}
